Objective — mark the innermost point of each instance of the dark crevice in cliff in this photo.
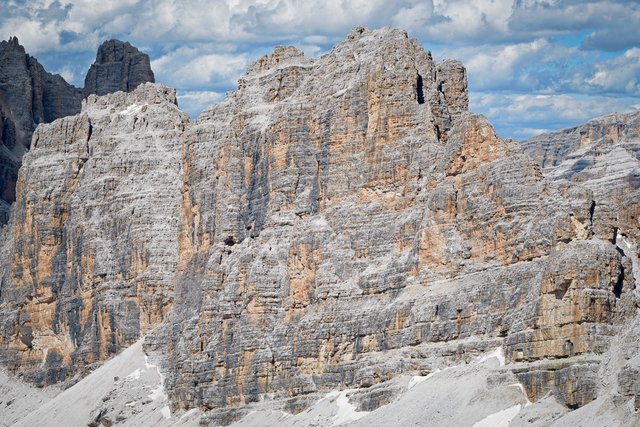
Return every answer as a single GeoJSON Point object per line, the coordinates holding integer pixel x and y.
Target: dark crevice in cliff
{"type": "Point", "coordinates": [592, 210]}
{"type": "Point", "coordinates": [617, 289]}
{"type": "Point", "coordinates": [561, 289]}
{"type": "Point", "coordinates": [419, 93]}
{"type": "Point", "coordinates": [89, 131]}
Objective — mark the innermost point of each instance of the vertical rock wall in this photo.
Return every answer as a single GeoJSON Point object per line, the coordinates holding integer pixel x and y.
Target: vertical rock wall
{"type": "Point", "coordinates": [94, 234]}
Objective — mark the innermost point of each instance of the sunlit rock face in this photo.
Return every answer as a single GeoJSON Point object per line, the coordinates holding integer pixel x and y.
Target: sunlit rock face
{"type": "Point", "coordinates": [331, 224]}
{"type": "Point", "coordinates": [29, 95]}
{"type": "Point", "coordinates": [91, 247]}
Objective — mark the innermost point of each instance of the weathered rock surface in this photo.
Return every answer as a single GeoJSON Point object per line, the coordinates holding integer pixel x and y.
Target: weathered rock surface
{"type": "Point", "coordinates": [78, 283]}
{"type": "Point", "coordinates": [118, 67]}
{"type": "Point", "coordinates": [334, 223]}
{"type": "Point", "coordinates": [29, 96]}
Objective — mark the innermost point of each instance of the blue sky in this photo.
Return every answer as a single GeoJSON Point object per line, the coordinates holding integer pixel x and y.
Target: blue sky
{"type": "Point", "coordinates": [533, 65]}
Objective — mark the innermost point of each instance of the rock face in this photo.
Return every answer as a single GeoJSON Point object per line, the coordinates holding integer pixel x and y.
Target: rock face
{"type": "Point", "coordinates": [29, 96]}
{"type": "Point", "coordinates": [79, 285]}
{"type": "Point", "coordinates": [602, 133]}
{"type": "Point", "coordinates": [335, 222]}
{"type": "Point", "coordinates": [118, 67]}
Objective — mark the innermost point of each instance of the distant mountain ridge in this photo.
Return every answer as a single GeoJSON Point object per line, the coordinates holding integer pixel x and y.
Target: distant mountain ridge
{"type": "Point", "coordinates": [29, 95]}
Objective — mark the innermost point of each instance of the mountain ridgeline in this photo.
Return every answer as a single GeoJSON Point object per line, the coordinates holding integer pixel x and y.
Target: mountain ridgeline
{"type": "Point", "coordinates": [334, 223]}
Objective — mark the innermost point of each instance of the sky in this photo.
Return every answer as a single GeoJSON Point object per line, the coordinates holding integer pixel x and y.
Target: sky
{"type": "Point", "coordinates": [533, 65]}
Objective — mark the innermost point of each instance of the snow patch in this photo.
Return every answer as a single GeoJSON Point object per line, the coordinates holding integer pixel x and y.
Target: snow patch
{"type": "Point", "coordinates": [135, 375]}
{"type": "Point", "coordinates": [166, 412]}
{"type": "Point", "coordinates": [131, 110]}
{"type": "Point", "coordinates": [498, 353]}
{"type": "Point", "coordinates": [158, 392]}
{"type": "Point", "coordinates": [346, 411]}
{"type": "Point", "coordinates": [414, 381]}
{"type": "Point", "coordinates": [320, 223]}
{"type": "Point", "coordinates": [45, 352]}
{"type": "Point", "coordinates": [499, 419]}
{"type": "Point", "coordinates": [630, 251]}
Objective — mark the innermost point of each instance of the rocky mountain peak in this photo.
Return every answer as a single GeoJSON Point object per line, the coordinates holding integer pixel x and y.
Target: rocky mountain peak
{"type": "Point", "coordinates": [281, 56]}
{"type": "Point", "coordinates": [118, 66]}
{"type": "Point", "coordinates": [11, 44]}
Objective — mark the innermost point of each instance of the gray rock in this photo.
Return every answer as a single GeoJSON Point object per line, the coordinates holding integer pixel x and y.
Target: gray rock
{"type": "Point", "coordinates": [28, 96]}
{"type": "Point", "coordinates": [118, 66]}
{"type": "Point", "coordinates": [94, 282]}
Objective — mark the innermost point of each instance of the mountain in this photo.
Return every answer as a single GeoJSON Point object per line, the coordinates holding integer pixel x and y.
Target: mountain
{"type": "Point", "coordinates": [118, 66]}
{"type": "Point", "coordinates": [29, 95]}
{"type": "Point", "coordinates": [340, 223]}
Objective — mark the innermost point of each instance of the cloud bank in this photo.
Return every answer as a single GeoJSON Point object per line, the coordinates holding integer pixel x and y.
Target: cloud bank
{"type": "Point", "coordinates": [533, 64]}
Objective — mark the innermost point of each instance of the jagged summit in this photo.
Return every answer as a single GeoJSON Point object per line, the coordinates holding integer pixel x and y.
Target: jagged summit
{"type": "Point", "coordinates": [28, 96]}
{"type": "Point", "coordinates": [282, 56]}
{"type": "Point", "coordinates": [118, 66]}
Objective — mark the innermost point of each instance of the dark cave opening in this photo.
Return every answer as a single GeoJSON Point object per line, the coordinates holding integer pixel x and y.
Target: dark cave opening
{"type": "Point", "coordinates": [617, 289]}
{"type": "Point", "coordinates": [419, 89]}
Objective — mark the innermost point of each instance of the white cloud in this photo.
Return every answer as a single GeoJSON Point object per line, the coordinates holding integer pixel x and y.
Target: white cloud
{"type": "Point", "coordinates": [191, 68]}
{"type": "Point", "coordinates": [415, 17]}
{"type": "Point", "coordinates": [193, 102]}
{"type": "Point", "coordinates": [621, 74]}
{"type": "Point", "coordinates": [67, 73]}
{"type": "Point", "coordinates": [520, 114]}
{"type": "Point", "coordinates": [521, 66]}
{"type": "Point", "coordinates": [508, 46]}
{"type": "Point", "coordinates": [33, 35]}
{"type": "Point", "coordinates": [458, 20]}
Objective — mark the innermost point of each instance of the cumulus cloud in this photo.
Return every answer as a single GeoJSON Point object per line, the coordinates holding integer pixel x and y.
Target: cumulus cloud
{"type": "Point", "coordinates": [193, 102]}
{"type": "Point", "coordinates": [192, 68]}
{"type": "Point", "coordinates": [619, 75]}
{"type": "Point", "coordinates": [535, 65]}
{"type": "Point", "coordinates": [510, 47]}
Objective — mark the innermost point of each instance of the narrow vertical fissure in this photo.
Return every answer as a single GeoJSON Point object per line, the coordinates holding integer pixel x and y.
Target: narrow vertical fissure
{"type": "Point", "coordinates": [617, 289]}
{"type": "Point", "coordinates": [419, 93]}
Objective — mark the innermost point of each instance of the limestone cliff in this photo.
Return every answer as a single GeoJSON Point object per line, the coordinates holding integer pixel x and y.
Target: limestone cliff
{"type": "Point", "coordinates": [333, 223]}
{"type": "Point", "coordinates": [29, 95]}
{"type": "Point", "coordinates": [79, 283]}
